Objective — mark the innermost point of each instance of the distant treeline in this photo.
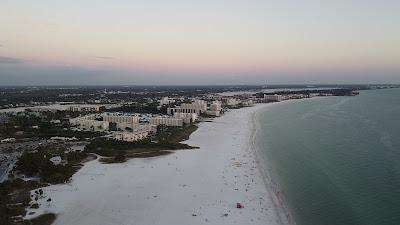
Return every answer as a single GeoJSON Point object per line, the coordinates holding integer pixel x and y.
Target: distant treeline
{"type": "Point", "coordinates": [105, 94]}
{"type": "Point", "coordinates": [334, 92]}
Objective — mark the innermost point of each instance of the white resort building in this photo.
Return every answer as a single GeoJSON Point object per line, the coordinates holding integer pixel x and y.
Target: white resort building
{"type": "Point", "coordinates": [76, 121]}
{"type": "Point", "coordinates": [273, 98]}
{"type": "Point", "coordinates": [215, 109]}
{"type": "Point", "coordinates": [89, 123]}
{"type": "Point", "coordinates": [198, 107]}
{"type": "Point", "coordinates": [167, 121]}
{"type": "Point", "coordinates": [128, 126]}
{"type": "Point", "coordinates": [120, 119]}
{"type": "Point", "coordinates": [187, 117]}
{"type": "Point", "coordinates": [137, 126]}
{"type": "Point", "coordinates": [93, 125]}
{"type": "Point", "coordinates": [84, 108]}
{"type": "Point", "coordinates": [216, 106]}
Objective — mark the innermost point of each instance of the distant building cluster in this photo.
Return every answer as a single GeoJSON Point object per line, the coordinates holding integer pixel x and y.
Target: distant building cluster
{"type": "Point", "coordinates": [279, 98]}
{"type": "Point", "coordinates": [128, 127]}
{"type": "Point", "coordinates": [273, 98]}
{"type": "Point", "coordinates": [137, 127]}
{"type": "Point", "coordinates": [157, 109]}
{"type": "Point", "coordinates": [197, 107]}
{"type": "Point", "coordinates": [232, 101]}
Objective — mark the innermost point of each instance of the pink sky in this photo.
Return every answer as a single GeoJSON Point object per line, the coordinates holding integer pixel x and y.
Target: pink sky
{"type": "Point", "coordinates": [213, 37]}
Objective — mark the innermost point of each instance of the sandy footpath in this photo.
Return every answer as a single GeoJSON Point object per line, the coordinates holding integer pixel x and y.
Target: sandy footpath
{"type": "Point", "coordinates": [200, 186]}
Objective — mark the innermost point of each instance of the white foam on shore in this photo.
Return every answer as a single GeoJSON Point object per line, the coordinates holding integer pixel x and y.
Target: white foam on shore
{"type": "Point", "coordinates": [200, 186]}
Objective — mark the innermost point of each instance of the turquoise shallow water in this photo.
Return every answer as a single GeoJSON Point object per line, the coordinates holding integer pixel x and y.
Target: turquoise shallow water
{"type": "Point", "coordinates": [336, 159]}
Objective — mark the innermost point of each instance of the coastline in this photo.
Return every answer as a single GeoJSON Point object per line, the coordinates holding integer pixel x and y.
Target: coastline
{"type": "Point", "coordinates": [277, 198]}
{"type": "Point", "coordinates": [198, 186]}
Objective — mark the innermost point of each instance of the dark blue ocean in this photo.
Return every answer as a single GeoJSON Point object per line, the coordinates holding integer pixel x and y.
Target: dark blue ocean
{"type": "Point", "coordinates": [336, 159]}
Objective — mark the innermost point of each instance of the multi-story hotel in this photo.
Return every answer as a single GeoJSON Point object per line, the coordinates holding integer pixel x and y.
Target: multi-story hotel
{"type": "Point", "coordinates": [273, 98]}
{"type": "Point", "coordinates": [137, 126]}
{"type": "Point", "coordinates": [76, 121]}
{"type": "Point", "coordinates": [216, 106]}
{"type": "Point", "coordinates": [187, 117]}
{"type": "Point", "coordinates": [84, 108]}
{"type": "Point", "coordinates": [93, 125]}
{"type": "Point", "coordinates": [198, 107]}
{"type": "Point", "coordinates": [121, 119]}
{"type": "Point", "coordinates": [215, 109]}
{"type": "Point", "coordinates": [167, 121]}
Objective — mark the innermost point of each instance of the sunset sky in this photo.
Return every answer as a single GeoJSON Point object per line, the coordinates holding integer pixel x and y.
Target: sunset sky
{"type": "Point", "coordinates": [199, 42]}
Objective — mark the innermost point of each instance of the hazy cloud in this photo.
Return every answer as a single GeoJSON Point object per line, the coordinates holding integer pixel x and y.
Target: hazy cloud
{"type": "Point", "coordinates": [35, 74]}
{"type": "Point", "coordinates": [104, 57]}
{"type": "Point", "coordinates": [9, 60]}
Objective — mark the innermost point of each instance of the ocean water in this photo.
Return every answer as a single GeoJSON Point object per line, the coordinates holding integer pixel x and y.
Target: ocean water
{"type": "Point", "coordinates": [336, 159]}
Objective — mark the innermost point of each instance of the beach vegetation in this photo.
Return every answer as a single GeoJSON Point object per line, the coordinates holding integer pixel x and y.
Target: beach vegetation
{"type": "Point", "coordinates": [37, 163]}
{"type": "Point", "coordinates": [165, 140]}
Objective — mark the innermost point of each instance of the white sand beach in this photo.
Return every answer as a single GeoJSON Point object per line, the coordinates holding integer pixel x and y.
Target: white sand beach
{"type": "Point", "coordinates": [200, 186]}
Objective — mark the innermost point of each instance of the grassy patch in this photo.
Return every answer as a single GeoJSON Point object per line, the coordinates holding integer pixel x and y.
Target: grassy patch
{"type": "Point", "coordinates": [14, 198]}
{"type": "Point", "coordinates": [37, 163]}
{"type": "Point", "coordinates": [129, 155]}
{"type": "Point", "coordinates": [15, 194]}
{"type": "Point", "coordinates": [45, 219]}
{"type": "Point", "coordinates": [183, 134]}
